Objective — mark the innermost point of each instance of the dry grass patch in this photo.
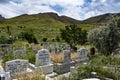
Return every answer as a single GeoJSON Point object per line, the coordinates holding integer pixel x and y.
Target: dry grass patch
{"type": "Point", "coordinates": [74, 56]}
{"type": "Point", "coordinates": [34, 75]}
{"type": "Point", "coordinates": [58, 58]}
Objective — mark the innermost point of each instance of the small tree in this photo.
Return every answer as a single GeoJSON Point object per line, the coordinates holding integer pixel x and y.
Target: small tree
{"type": "Point", "coordinates": [3, 40]}
{"type": "Point", "coordinates": [105, 38]}
{"type": "Point", "coordinates": [44, 39]}
{"type": "Point", "coordinates": [73, 35]}
{"type": "Point", "coordinates": [29, 36]}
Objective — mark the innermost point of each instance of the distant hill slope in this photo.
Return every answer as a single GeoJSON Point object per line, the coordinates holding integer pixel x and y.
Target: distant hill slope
{"type": "Point", "coordinates": [63, 19]}
{"type": "Point", "coordinates": [101, 18]}
{"type": "Point", "coordinates": [47, 24]}
{"type": "Point", "coordinates": [1, 18]}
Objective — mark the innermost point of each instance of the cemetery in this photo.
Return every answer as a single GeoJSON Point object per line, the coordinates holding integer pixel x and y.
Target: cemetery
{"type": "Point", "coordinates": [41, 49]}
{"type": "Point", "coordinates": [57, 65]}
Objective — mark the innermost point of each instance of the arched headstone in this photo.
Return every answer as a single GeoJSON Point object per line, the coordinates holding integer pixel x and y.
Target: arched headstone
{"type": "Point", "coordinates": [82, 53]}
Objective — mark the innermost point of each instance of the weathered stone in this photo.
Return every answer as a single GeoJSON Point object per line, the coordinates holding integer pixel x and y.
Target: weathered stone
{"type": "Point", "coordinates": [43, 61]}
{"type": "Point", "coordinates": [66, 56]}
{"type": "Point", "coordinates": [19, 54]}
{"type": "Point", "coordinates": [43, 58]}
{"type": "Point", "coordinates": [5, 76]}
{"type": "Point", "coordinates": [82, 54]}
{"type": "Point", "coordinates": [16, 66]}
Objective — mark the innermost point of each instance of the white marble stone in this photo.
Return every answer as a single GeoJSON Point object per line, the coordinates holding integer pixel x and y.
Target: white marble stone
{"type": "Point", "coordinates": [5, 76]}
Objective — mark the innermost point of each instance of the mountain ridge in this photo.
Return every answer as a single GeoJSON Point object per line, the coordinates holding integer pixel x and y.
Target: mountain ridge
{"type": "Point", "coordinates": [1, 18]}
{"type": "Point", "coordinates": [68, 20]}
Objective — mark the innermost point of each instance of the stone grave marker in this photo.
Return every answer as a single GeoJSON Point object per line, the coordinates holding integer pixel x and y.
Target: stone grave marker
{"type": "Point", "coordinates": [42, 57]}
{"type": "Point", "coordinates": [16, 66]}
{"type": "Point", "coordinates": [43, 61]}
{"type": "Point", "coordinates": [18, 54]}
{"type": "Point", "coordinates": [63, 67]}
{"type": "Point", "coordinates": [66, 56]}
{"type": "Point", "coordinates": [5, 76]}
{"type": "Point", "coordinates": [82, 54]}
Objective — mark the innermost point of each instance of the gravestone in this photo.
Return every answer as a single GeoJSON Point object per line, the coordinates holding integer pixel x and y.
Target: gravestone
{"type": "Point", "coordinates": [16, 66]}
{"type": "Point", "coordinates": [63, 67]}
{"type": "Point", "coordinates": [66, 56]}
{"type": "Point", "coordinates": [82, 54]}
{"type": "Point", "coordinates": [43, 61]}
{"type": "Point", "coordinates": [18, 54]}
{"type": "Point", "coordinates": [5, 76]}
{"type": "Point", "coordinates": [42, 57]}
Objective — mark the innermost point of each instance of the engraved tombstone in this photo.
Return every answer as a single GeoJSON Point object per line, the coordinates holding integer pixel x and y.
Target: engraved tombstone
{"type": "Point", "coordinates": [42, 57]}
{"type": "Point", "coordinates": [16, 66]}
{"type": "Point", "coordinates": [43, 61]}
{"type": "Point", "coordinates": [82, 53]}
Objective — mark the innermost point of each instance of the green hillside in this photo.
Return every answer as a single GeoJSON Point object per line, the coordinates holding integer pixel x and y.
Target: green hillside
{"type": "Point", "coordinates": [47, 24]}
{"type": "Point", "coordinates": [43, 24]}
{"type": "Point", "coordinates": [101, 18]}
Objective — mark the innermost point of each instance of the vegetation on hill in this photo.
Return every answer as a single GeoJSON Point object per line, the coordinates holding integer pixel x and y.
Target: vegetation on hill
{"type": "Point", "coordinates": [105, 38]}
{"type": "Point", "coordinates": [105, 18]}
{"type": "Point", "coordinates": [44, 25]}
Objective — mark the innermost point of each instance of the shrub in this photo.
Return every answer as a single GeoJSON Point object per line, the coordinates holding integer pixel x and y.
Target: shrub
{"type": "Point", "coordinates": [29, 36]}
{"type": "Point", "coordinates": [105, 38]}
{"type": "Point", "coordinates": [73, 35]}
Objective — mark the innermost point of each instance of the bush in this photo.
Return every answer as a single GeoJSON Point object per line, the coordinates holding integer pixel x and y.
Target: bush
{"type": "Point", "coordinates": [44, 39]}
{"type": "Point", "coordinates": [3, 40]}
{"type": "Point", "coordinates": [29, 36]}
{"type": "Point", "coordinates": [105, 38]}
{"type": "Point", "coordinates": [73, 35]}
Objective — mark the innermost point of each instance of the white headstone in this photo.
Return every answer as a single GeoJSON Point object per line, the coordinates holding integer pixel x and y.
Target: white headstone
{"type": "Point", "coordinates": [5, 76]}
{"type": "Point", "coordinates": [43, 57]}
{"type": "Point", "coordinates": [66, 56]}
{"type": "Point", "coordinates": [16, 66]}
{"type": "Point", "coordinates": [82, 53]}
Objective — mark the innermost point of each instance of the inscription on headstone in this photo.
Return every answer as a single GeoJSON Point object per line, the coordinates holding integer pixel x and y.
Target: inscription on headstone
{"type": "Point", "coordinates": [43, 57]}
{"type": "Point", "coordinates": [82, 53]}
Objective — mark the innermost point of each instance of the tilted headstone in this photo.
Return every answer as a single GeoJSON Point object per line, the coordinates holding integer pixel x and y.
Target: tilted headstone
{"type": "Point", "coordinates": [66, 56]}
{"type": "Point", "coordinates": [82, 53]}
{"type": "Point", "coordinates": [43, 57]}
{"type": "Point", "coordinates": [16, 66]}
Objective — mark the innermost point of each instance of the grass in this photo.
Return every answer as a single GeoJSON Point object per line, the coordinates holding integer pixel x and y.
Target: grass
{"type": "Point", "coordinates": [58, 58]}
{"type": "Point", "coordinates": [42, 25]}
{"type": "Point", "coordinates": [34, 75]}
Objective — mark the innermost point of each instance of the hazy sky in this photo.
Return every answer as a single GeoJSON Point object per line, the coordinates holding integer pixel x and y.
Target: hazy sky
{"type": "Point", "coordinates": [78, 9]}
